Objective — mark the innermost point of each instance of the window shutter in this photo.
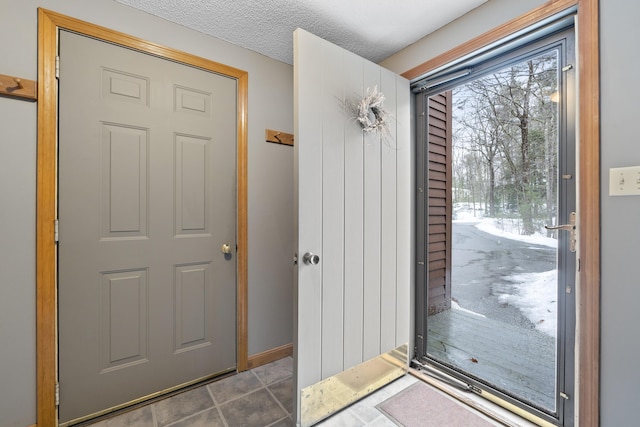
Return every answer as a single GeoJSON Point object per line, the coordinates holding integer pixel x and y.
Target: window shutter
{"type": "Point", "coordinates": [440, 203]}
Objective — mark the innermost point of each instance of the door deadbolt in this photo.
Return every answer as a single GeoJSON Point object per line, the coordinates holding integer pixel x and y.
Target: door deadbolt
{"type": "Point", "coordinates": [311, 258]}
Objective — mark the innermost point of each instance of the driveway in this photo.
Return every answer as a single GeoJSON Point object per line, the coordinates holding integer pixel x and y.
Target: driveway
{"type": "Point", "coordinates": [480, 263]}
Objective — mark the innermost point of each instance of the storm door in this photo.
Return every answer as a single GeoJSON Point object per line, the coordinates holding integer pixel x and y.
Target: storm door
{"type": "Point", "coordinates": [496, 225]}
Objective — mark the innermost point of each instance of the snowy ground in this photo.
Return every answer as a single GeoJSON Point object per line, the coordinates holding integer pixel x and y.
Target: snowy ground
{"type": "Point", "coordinates": [535, 293]}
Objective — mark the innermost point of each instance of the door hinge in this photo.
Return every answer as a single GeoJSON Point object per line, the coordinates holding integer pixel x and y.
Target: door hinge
{"type": "Point", "coordinates": [57, 394]}
{"type": "Point", "coordinates": [55, 231]}
{"type": "Point", "coordinates": [567, 67]}
{"type": "Point", "coordinates": [57, 67]}
{"type": "Point", "coordinates": [564, 395]}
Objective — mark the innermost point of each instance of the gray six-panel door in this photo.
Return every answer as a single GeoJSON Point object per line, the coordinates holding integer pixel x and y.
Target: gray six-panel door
{"type": "Point", "coordinates": [147, 298]}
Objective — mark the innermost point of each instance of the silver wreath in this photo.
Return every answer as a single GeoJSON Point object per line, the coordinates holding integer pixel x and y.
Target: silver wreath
{"type": "Point", "coordinates": [370, 112]}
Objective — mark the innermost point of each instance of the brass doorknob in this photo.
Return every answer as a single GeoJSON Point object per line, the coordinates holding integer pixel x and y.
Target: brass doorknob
{"type": "Point", "coordinates": [225, 249]}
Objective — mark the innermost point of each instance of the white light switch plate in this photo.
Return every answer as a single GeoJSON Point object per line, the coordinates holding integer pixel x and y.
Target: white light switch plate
{"type": "Point", "coordinates": [624, 181]}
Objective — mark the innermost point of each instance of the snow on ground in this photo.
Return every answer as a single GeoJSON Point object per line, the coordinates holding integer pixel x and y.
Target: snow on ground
{"type": "Point", "coordinates": [536, 293]}
{"type": "Point", "coordinates": [456, 306]}
{"type": "Point", "coordinates": [536, 296]}
{"type": "Point", "coordinates": [503, 227]}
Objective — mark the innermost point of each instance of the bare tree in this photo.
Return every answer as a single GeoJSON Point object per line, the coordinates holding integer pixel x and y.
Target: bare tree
{"type": "Point", "coordinates": [508, 120]}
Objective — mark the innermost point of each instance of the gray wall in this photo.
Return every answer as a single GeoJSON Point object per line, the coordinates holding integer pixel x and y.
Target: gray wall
{"type": "Point", "coordinates": [17, 260]}
{"type": "Point", "coordinates": [620, 229]}
{"type": "Point", "coordinates": [270, 186]}
{"type": "Point", "coordinates": [620, 345]}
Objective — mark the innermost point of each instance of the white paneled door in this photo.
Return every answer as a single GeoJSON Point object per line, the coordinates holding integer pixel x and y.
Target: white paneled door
{"type": "Point", "coordinates": [353, 220]}
{"type": "Point", "coordinates": [146, 201]}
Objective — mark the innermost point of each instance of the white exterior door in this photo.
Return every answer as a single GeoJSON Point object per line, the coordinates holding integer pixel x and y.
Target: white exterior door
{"type": "Point", "coordinates": [146, 200]}
{"type": "Point", "coordinates": [353, 213]}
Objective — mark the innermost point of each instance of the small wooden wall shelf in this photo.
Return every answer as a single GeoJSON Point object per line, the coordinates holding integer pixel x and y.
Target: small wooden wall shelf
{"type": "Point", "coordinates": [18, 87]}
{"type": "Point", "coordinates": [278, 137]}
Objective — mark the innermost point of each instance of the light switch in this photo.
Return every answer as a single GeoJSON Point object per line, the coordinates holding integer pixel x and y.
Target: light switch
{"type": "Point", "coordinates": [624, 181]}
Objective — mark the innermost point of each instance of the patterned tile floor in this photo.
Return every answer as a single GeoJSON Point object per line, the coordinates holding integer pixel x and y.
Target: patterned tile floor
{"type": "Point", "coordinates": [258, 398]}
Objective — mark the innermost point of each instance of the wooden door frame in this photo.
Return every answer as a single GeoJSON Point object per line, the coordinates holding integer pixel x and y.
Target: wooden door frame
{"type": "Point", "coordinates": [588, 296]}
{"type": "Point", "coordinates": [49, 23]}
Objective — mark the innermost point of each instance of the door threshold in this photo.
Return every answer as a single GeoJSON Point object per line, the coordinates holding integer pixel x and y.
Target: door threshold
{"type": "Point", "coordinates": [474, 401]}
{"type": "Point", "coordinates": [147, 400]}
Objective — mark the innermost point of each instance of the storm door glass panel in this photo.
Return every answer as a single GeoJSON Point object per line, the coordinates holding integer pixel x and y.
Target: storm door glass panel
{"type": "Point", "coordinates": [495, 318]}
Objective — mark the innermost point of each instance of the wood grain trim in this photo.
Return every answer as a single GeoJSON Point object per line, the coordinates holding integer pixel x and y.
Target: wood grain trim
{"type": "Point", "coordinates": [588, 305]}
{"type": "Point", "coordinates": [242, 224]}
{"type": "Point", "coordinates": [46, 338]}
{"type": "Point", "coordinates": [546, 10]}
{"type": "Point", "coordinates": [46, 334]}
{"type": "Point", "coordinates": [270, 356]}
{"type": "Point", "coordinates": [116, 37]}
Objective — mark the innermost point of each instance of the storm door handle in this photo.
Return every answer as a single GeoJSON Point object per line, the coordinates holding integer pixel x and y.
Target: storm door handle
{"type": "Point", "coordinates": [571, 228]}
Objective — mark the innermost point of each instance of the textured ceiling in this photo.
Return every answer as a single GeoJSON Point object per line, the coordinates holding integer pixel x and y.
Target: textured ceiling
{"type": "Point", "coordinates": [374, 29]}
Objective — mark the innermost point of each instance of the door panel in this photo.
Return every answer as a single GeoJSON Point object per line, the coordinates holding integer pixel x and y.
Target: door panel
{"type": "Point", "coordinates": [371, 221]}
{"type": "Point", "coordinates": [124, 181]}
{"type": "Point", "coordinates": [352, 187]}
{"type": "Point", "coordinates": [124, 314]}
{"type": "Point", "coordinates": [146, 199]}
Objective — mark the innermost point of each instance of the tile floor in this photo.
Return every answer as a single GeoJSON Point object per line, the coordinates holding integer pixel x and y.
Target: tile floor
{"type": "Point", "coordinates": [261, 397]}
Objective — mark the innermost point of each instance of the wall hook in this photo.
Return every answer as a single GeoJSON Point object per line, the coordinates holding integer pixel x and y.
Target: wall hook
{"type": "Point", "coordinates": [11, 86]}
{"type": "Point", "coordinates": [278, 137]}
